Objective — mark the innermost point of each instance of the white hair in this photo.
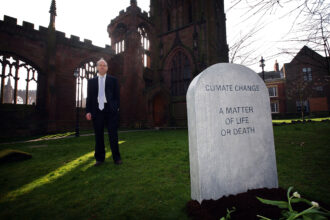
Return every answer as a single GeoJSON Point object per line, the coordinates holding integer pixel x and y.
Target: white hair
{"type": "Point", "coordinates": [101, 60]}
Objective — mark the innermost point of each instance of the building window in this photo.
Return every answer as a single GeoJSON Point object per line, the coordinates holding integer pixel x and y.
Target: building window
{"type": "Point", "coordinates": [86, 71]}
{"type": "Point", "coordinates": [145, 44]}
{"type": "Point", "coordinates": [272, 91]}
{"type": "Point", "coordinates": [274, 107]}
{"type": "Point", "coordinates": [307, 73]}
{"type": "Point", "coordinates": [120, 47]}
{"type": "Point", "coordinates": [319, 90]}
{"type": "Point", "coordinates": [19, 81]}
{"type": "Point", "coordinates": [180, 74]}
{"type": "Point", "coordinates": [305, 105]}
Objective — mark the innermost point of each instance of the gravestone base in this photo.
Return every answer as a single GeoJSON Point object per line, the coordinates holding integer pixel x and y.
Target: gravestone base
{"type": "Point", "coordinates": [246, 205]}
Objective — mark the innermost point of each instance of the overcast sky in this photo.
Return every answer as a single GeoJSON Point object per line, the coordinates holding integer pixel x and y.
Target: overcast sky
{"type": "Point", "coordinates": [89, 20]}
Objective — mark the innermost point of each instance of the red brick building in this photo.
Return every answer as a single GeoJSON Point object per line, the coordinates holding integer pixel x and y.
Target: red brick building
{"type": "Point", "coordinates": [302, 84]}
{"type": "Point", "coordinates": [161, 54]}
{"type": "Point", "coordinates": [307, 82]}
{"type": "Point", "coordinates": [276, 89]}
{"type": "Point", "coordinates": [275, 83]}
{"type": "Point", "coordinates": [38, 92]}
{"type": "Point", "coordinates": [155, 56]}
{"type": "Point", "coordinates": [191, 35]}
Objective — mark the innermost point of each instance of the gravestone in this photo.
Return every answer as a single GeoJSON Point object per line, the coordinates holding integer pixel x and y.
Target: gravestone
{"type": "Point", "coordinates": [231, 143]}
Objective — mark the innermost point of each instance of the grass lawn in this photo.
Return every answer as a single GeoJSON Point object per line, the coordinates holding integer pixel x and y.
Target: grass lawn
{"type": "Point", "coordinates": [299, 119]}
{"type": "Point", "coordinates": [59, 182]}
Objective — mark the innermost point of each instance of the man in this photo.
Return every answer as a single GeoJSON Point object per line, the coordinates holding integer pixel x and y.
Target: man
{"type": "Point", "coordinates": [102, 106]}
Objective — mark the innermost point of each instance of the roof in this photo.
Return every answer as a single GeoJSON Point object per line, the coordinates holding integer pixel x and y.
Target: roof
{"type": "Point", "coordinates": [269, 75]}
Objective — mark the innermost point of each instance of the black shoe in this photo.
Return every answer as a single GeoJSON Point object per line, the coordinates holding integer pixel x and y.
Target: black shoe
{"type": "Point", "coordinates": [118, 162]}
{"type": "Point", "coordinates": [98, 163]}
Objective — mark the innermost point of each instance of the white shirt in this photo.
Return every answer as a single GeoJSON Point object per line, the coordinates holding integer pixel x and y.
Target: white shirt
{"type": "Point", "coordinates": [101, 79]}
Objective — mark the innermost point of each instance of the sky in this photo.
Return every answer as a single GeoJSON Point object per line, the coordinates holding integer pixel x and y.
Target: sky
{"type": "Point", "coordinates": [89, 20]}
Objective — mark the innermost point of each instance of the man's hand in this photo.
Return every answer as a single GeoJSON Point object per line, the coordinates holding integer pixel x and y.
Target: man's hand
{"type": "Point", "coordinates": [89, 116]}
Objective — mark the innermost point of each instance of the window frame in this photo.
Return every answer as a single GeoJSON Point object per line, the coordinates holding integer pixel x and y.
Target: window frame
{"type": "Point", "coordinates": [18, 71]}
{"type": "Point", "coordinates": [277, 107]}
{"type": "Point", "coordinates": [307, 74]}
{"type": "Point", "coordinates": [181, 73]}
{"type": "Point", "coordinates": [275, 88]}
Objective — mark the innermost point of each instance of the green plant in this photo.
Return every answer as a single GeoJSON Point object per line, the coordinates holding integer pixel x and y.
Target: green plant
{"type": "Point", "coordinates": [315, 212]}
{"type": "Point", "coordinates": [227, 217]}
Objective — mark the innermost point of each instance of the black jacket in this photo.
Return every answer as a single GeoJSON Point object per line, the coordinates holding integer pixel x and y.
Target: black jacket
{"type": "Point", "coordinates": [111, 94]}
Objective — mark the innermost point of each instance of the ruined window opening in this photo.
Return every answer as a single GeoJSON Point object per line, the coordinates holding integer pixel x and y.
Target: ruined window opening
{"type": "Point", "coordinates": [120, 46]}
{"type": "Point", "coordinates": [86, 72]}
{"type": "Point", "coordinates": [145, 44]}
{"type": "Point", "coordinates": [19, 81]}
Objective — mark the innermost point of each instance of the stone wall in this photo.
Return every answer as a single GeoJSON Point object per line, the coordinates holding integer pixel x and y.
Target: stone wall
{"type": "Point", "coordinates": [55, 57]}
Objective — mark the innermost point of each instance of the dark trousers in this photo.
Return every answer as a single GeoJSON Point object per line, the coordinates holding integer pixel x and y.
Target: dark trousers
{"type": "Point", "coordinates": [110, 120]}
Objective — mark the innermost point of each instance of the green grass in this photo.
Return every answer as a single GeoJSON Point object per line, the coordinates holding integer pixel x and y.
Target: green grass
{"type": "Point", "coordinates": [36, 138]}
{"type": "Point", "coordinates": [59, 182]}
{"type": "Point", "coordinates": [303, 157]}
{"type": "Point", "coordinates": [299, 119]}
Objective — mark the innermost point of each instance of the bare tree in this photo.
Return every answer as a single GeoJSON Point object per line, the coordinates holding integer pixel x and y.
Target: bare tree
{"type": "Point", "coordinates": [240, 51]}
{"type": "Point", "coordinates": [300, 89]}
{"type": "Point", "coordinates": [302, 84]}
{"type": "Point", "coordinates": [311, 25]}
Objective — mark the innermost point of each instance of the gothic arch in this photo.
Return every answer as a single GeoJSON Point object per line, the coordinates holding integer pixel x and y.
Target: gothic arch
{"type": "Point", "coordinates": [25, 76]}
{"type": "Point", "coordinates": [144, 33]}
{"type": "Point", "coordinates": [145, 27]}
{"type": "Point", "coordinates": [87, 70]}
{"type": "Point", "coordinates": [178, 71]}
{"type": "Point", "coordinates": [22, 58]}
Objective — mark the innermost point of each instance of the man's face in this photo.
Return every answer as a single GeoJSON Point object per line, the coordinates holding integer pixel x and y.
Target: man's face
{"type": "Point", "coordinates": [102, 67]}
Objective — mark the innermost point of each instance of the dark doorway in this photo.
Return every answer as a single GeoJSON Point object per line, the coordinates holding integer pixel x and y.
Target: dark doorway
{"type": "Point", "coordinates": [159, 110]}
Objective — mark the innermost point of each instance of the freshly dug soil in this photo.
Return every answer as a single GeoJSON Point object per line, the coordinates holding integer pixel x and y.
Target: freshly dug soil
{"type": "Point", "coordinates": [246, 204]}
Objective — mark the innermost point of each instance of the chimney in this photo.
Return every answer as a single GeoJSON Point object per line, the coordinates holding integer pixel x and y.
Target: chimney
{"type": "Point", "coordinates": [276, 67]}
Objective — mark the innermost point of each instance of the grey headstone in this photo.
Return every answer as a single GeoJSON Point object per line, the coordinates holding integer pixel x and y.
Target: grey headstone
{"type": "Point", "coordinates": [231, 143]}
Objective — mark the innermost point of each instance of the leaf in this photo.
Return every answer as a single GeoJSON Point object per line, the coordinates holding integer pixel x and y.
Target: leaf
{"type": "Point", "coordinates": [286, 213]}
{"type": "Point", "coordinates": [289, 191]}
{"type": "Point", "coordinates": [229, 212]}
{"type": "Point", "coordinates": [314, 211]}
{"type": "Point", "coordinates": [296, 200]}
{"type": "Point", "coordinates": [262, 217]}
{"type": "Point", "coordinates": [305, 217]}
{"type": "Point", "coordinates": [314, 217]}
{"type": "Point", "coordinates": [280, 204]}
{"type": "Point", "coordinates": [293, 215]}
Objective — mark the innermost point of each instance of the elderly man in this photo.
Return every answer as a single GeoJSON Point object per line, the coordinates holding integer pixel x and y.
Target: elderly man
{"type": "Point", "coordinates": [102, 106]}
